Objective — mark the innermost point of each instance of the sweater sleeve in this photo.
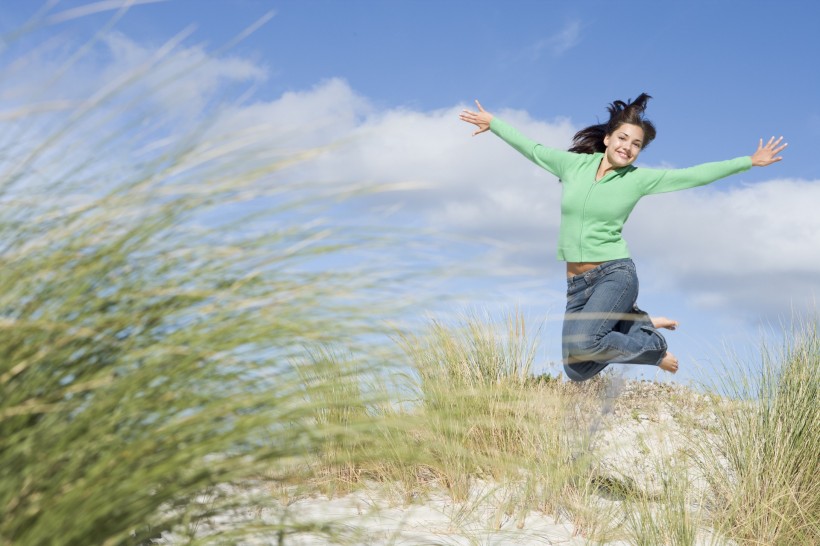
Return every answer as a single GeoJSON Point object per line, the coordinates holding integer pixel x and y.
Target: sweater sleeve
{"type": "Point", "coordinates": [551, 159]}
{"type": "Point", "coordinates": [662, 181]}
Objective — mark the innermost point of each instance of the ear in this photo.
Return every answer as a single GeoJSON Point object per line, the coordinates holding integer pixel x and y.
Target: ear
{"type": "Point", "coordinates": [606, 140]}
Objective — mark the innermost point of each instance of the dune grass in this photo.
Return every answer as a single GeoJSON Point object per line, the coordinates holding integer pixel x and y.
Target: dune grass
{"type": "Point", "coordinates": [764, 468]}
{"type": "Point", "coordinates": [737, 467]}
{"type": "Point", "coordinates": [470, 419]}
{"type": "Point", "coordinates": [158, 286]}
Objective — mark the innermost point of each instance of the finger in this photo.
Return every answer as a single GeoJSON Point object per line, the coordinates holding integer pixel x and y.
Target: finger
{"type": "Point", "coordinates": [780, 148]}
{"type": "Point", "coordinates": [469, 118]}
{"type": "Point", "coordinates": [480, 108]}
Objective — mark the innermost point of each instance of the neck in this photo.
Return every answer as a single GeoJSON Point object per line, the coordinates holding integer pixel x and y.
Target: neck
{"type": "Point", "coordinates": [604, 168]}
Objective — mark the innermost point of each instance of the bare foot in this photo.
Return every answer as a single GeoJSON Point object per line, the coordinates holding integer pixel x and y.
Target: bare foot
{"type": "Point", "coordinates": [669, 363]}
{"type": "Point", "coordinates": [663, 322]}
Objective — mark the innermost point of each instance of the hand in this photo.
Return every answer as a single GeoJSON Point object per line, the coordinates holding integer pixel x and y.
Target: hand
{"type": "Point", "coordinates": [480, 119]}
{"type": "Point", "coordinates": [766, 155]}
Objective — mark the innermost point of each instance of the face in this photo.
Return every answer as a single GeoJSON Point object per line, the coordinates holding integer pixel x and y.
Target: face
{"type": "Point", "coordinates": [624, 145]}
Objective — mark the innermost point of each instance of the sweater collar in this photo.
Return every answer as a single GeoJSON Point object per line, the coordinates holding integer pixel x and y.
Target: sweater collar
{"type": "Point", "coordinates": [616, 173]}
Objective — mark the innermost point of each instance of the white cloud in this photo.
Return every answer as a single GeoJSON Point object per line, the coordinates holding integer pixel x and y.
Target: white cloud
{"type": "Point", "coordinates": [327, 113]}
{"type": "Point", "coordinates": [723, 248]}
{"type": "Point", "coordinates": [752, 246]}
{"type": "Point", "coordinates": [565, 40]}
{"type": "Point", "coordinates": [474, 184]}
{"type": "Point", "coordinates": [765, 227]}
{"type": "Point", "coordinates": [557, 44]}
{"type": "Point", "coordinates": [183, 79]}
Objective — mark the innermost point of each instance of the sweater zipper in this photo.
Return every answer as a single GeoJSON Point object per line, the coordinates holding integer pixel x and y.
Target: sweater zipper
{"type": "Point", "coordinates": [584, 220]}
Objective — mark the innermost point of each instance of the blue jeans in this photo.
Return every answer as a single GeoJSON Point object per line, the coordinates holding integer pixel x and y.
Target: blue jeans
{"type": "Point", "coordinates": [603, 325]}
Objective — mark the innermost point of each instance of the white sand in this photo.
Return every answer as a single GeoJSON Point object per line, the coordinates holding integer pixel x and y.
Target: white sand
{"type": "Point", "coordinates": [641, 438]}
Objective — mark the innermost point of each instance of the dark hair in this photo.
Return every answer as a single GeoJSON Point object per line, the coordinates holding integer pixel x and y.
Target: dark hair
{"type": "Point", "coordinates": [591, 139]}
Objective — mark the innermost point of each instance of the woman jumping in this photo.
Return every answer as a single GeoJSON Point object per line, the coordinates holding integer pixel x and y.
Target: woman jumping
{"type": "Point", "coordinates": [601, 186]}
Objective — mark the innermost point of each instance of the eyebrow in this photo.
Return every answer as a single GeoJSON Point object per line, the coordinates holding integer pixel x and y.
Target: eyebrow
{"type": "Point", "coordinates": [627, 136]}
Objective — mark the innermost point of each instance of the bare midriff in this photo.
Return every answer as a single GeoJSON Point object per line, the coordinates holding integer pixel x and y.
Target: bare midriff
{"type": "Point", "coordinates": [578, 268]}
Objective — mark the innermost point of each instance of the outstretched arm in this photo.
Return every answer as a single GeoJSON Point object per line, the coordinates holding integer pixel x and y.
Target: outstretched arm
{"type": "Point", "coordinates": [706, 173]}
{"type": "Point", "coordinates": [766, 155]}
{"type": "Point", "coordinates": [480, 119]}
{"type": "Point", "coordinates": [550, 159]}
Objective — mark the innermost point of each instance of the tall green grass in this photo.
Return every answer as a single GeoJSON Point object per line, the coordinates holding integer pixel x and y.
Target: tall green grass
{"type": "Point", "coordinates": [764, 468]}
{"type": "Point", "coordinates": [158, 284]}
{"type": "Point", "coordinates": [486, 418]}
{"type": "Point", "coordinates": [745, 469]}
{"type": "Point", "coordinates": [670, 514]}
{"type": "Point", "coordinates": [465, 417]}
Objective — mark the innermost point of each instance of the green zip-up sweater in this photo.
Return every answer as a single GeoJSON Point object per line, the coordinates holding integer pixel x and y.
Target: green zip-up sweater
{"type": "Point", "coordinates": [593, 213]}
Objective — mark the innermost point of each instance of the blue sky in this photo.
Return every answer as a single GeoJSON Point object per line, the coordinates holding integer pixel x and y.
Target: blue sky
{"type": "Point", "coordinates": [388, 78]}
